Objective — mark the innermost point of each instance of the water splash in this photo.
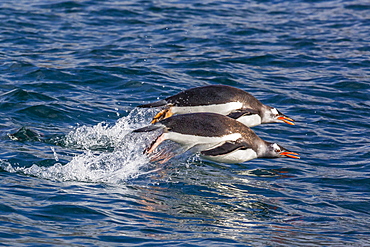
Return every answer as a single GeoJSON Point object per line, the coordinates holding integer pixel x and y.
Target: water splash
{"type": "Point", "coordinates": [115, 167]}
{"type": "Point", "coordinates": [105, 137]}
{"type": "Point", "coordinates": [111, 154]}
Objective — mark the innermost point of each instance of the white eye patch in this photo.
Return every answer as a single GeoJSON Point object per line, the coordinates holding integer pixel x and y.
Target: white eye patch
{"type": "Point", "coordinates": [275, 146]}
{"type": "Point", "coordinates": [274, 111]}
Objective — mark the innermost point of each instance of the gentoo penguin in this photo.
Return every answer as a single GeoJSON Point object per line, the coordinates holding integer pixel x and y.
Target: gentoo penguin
{"type": "Point", "coordinates": [225, 100]}
{"type": "Point", "coordinates": [216, 137]}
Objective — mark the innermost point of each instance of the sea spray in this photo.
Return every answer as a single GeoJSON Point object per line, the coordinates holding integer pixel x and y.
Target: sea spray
{"type": "Point", "coordinates": [111, 154]}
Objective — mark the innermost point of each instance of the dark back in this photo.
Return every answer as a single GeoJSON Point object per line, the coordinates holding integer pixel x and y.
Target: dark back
{"type": "Point", "coordinates": [213, 94]}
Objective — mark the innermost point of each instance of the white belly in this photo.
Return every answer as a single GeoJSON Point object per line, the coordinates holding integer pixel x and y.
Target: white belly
{"type": "Point", "coordinates": [238, 156]}
{"type": "Point", "coordinates": [192, 140]}
{"type": "Point", "coordinates": [250, 120]}
{"type": "Point", "coordinates": [223, 109]}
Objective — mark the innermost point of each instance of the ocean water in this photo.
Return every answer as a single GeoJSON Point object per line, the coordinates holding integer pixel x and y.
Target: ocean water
{"type": "Point", "coordinates": [73, 72]}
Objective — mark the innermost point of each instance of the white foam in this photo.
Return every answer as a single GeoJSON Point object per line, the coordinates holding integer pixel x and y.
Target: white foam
{"type": "Point", "coordinates": [110, 154]}
{"type": "Point", "coordinates": [104, 135]}
{"type": "Point", "coordinates": [115, 167]}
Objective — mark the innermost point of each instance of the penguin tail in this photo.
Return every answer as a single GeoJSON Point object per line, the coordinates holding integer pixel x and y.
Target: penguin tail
{"type": "Point", "coordinates": [154, 104]}
{"type": "Point", "coordinates": [148, 128]}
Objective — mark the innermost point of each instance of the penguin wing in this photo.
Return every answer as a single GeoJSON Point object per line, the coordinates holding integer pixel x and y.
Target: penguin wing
{"type": "Point", "coordinates": [226, 147]}
{"type": "Point", "coordinates": [242, 112]}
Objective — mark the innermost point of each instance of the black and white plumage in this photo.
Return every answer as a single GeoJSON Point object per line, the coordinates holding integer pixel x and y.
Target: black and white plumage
{"type": "Point", "coordinates": [216, 137]}
{"type": "Point", "coordinates": [221, 99]}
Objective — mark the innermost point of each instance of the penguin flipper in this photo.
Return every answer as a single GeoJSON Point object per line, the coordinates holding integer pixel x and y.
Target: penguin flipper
{"type": "Point", "coordinates": [225, 148]}
{"type": "Point", "coordinates": [242, 112]}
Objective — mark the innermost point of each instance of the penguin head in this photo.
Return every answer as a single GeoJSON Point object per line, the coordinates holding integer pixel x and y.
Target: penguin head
{"type": "Point", "coordinates": [274, 150]}
{"type": "Point", "coordinates": [273, 115]}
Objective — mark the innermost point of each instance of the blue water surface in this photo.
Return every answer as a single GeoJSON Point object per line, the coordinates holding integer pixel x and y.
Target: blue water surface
{"type": "Point", "coordinates": [73, 72]}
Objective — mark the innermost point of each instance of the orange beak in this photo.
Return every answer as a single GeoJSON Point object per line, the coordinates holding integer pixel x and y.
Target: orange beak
{"type": "Point", "coordinates": [290, 154]}
{"type": "Point", "coordinates": [287, 120]}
